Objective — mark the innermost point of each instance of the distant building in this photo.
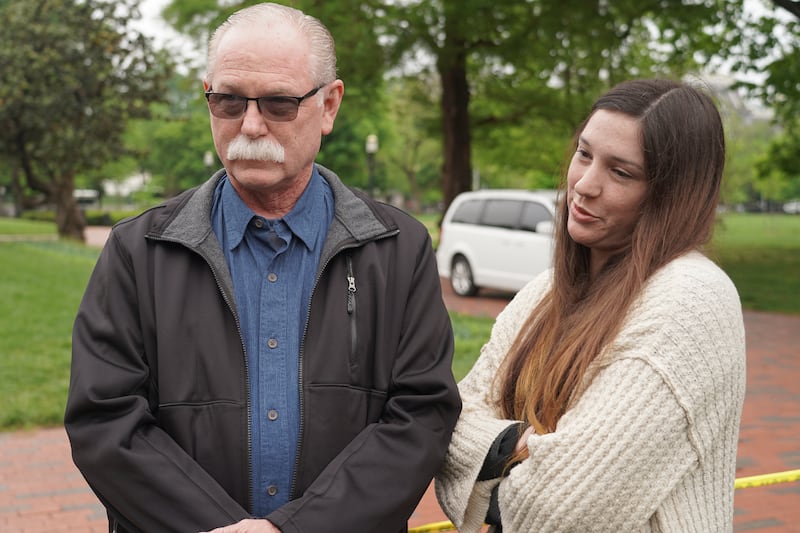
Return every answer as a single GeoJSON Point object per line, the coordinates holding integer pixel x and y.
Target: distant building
{"type": "Point", "coordinates": [127, 186]}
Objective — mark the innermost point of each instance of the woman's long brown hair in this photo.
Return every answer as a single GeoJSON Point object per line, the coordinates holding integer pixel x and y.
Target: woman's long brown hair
{"type": "Point", "coordinates": [684, 153]}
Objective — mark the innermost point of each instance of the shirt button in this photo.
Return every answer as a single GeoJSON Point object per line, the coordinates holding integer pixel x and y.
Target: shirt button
{"type": "Point", "coordinates": [258, 223]}
{"type": "Point", "coordinates": [272, 276]}
{"type": "Point", "coordinates": [272, 343]}
{"type": "Point", "coordinates": [272, 490]}
{"type": "Point", "coordinates": [272, 414]}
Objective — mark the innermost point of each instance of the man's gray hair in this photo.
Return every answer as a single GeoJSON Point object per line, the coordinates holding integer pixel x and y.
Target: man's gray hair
{"type": "Point", "coordinates": [323, 50]}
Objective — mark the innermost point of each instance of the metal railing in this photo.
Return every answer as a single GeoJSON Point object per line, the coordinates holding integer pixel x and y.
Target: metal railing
{"type": "Point", "coordinates": [740, 483]}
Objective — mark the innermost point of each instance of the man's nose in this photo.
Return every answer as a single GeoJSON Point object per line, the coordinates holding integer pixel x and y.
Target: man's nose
{"type": "Point", "coordinates": [253, 123]}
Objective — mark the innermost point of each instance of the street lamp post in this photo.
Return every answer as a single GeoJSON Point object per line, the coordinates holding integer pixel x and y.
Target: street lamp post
{"type": "Point", "coordinates": [371, 148]}
{"type": "Point", "coordinates": [208, 161]}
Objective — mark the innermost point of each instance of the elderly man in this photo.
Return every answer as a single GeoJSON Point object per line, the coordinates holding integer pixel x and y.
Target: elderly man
{"type": "Point", "coordinates": [268, 351]}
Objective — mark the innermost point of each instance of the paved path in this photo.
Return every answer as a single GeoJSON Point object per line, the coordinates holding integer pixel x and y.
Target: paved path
{"type": "Point", "coordinates": [41, 491]}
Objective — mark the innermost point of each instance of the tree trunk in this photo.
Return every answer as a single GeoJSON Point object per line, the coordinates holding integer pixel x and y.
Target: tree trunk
{"type": "Point", "coordinates": [69, 217]}
{"type": "Point", "coordinates": [456, 177]}
{"type": "Point", "coordinates": [17, 193]}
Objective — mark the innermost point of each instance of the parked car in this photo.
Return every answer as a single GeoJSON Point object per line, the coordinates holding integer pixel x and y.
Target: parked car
{"type": "Point", "coordinates": [792, 208]}
{"type": "Point", "coordinates": [496, 238]}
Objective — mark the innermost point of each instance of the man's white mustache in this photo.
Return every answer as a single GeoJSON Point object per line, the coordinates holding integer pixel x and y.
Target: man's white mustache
{"type": "Point", "coordinates": [242, 147]}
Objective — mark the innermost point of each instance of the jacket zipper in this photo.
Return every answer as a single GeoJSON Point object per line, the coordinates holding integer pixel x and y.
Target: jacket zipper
{"type": "Point", "coordinates": [293, 486]}
{"type": "Point", "coordinates": [351, 310]}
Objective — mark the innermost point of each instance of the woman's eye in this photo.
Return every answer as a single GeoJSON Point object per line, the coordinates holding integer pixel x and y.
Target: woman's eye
{"type": "Point", "coordinates": [621, 173]}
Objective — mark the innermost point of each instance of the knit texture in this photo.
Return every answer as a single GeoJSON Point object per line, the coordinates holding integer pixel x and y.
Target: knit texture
{"type": "Point", "coordinates": [649, 444]}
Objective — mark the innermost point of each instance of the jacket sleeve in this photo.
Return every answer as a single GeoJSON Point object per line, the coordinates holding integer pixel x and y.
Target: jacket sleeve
{"type": "Point", "coordinates": [376, 481]}
{"type": "Point", "coordinates": [147, 481]}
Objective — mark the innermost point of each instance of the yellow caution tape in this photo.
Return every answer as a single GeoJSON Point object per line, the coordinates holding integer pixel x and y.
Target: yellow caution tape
{"type": "Point", "coordinates": [740, 483]}
{"type": "Point", "coordinates": [433, 527]}
{"type": "Point", "coordinates": [767, 479]}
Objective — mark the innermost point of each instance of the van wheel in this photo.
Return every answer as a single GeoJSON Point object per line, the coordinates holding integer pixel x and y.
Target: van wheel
{"type": "Point", "coordinates": [461, 278]}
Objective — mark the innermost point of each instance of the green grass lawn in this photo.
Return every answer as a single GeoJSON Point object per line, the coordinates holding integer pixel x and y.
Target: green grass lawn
{"type": "Point", "coordinates": [18, 226]}
{"type": "Point", "coordinates": [761, 254]}
{"type": "Point", "coordinates": [41, 284]}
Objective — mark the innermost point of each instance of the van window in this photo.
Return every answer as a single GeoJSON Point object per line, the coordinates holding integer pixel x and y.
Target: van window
{"type": "Point", "coordinates": [468, 212]}
{"type": "Point", "coordinates": [502, 213]}
{"type": "Point", "coordinates": [532, 214]}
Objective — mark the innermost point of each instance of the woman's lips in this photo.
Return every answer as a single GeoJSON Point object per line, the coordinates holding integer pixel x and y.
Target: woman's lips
{"type": "Point", "coordinates": [580, 214]}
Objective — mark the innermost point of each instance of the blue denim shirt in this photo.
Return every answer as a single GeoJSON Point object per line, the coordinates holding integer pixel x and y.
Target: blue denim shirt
{"type": "Point", "coordinates": [273, 264]}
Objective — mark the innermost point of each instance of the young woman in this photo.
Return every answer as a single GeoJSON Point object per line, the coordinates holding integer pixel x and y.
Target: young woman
{"type": "Point", "coordinates": [609, 394]}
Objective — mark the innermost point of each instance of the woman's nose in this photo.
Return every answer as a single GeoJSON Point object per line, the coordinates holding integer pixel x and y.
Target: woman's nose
{"type": "Point", "coordinates": [590, 182]}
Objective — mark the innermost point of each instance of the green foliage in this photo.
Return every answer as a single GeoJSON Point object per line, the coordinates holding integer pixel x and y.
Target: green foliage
{"type": "Point", "coordinates": [778, 176]}
{"type": "Point", "coordinates": [73, 73]}
{"type": "Point", "coordinates": [746, 145]}
{"type": "Point", "coordinates": [769, 46]}
{"type": "Point", "coordinates": [504, 84]}
{"type": "Point", "coordinates": [411, 139]}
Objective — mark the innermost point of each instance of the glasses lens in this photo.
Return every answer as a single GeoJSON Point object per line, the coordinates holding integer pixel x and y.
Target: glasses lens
{"type": "Point", "coordinates": [278, 108]}
{"type": "Point", "coordinates": [226, 105]}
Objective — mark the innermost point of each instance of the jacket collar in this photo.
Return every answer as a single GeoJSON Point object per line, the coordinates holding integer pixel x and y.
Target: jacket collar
{"type": "Point", "coordinates": [354, 216]}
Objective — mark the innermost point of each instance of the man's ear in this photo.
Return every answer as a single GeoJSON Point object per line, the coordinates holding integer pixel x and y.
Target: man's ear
{"type": "Point", "coordinates": [333, 99]}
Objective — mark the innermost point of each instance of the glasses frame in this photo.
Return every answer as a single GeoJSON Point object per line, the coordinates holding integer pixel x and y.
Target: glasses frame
{"type": "Point", "coordinates": [266, 100]}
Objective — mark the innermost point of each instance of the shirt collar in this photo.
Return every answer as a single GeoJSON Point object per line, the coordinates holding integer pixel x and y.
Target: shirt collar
{"type": "Point", "coordinates": [305, 217]}
{"type": "Point", "coordinates": [303, 220]}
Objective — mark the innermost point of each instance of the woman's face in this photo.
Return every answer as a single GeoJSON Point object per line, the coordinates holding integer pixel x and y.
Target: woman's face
{"type": "Point", "coordinates": [606, 184]}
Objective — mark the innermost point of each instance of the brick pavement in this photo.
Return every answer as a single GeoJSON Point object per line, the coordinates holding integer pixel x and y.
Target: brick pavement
{"type": "Point", "coordinates": [41, 491]}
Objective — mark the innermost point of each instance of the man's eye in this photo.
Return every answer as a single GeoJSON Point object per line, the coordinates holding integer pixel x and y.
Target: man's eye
{"type": "Point", "coordinates": [280, 101]}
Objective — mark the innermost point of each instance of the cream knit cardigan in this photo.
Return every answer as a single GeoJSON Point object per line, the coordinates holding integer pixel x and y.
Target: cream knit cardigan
{"type": "Point", "coordinates": [650, 442]}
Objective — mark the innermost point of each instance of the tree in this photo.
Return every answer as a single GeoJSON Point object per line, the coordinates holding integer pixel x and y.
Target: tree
{"type": "Point", "coordinates": [72, 73]}
{"type": "Point", "coordinates": [172, 145]}
{"type": "Point", "coordinates": [414, 147]}
{"type": "Point", "coordinates": [541, 59]}
{"type": "Point", "coordinates": [767, 53]}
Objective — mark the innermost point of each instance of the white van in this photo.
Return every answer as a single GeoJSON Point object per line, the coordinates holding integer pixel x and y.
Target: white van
{"type": "Point", "coordinates": [496, 238]}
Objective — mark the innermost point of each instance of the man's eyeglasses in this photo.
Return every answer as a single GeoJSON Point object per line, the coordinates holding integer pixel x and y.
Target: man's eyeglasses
{"type": "Point", "coordinates": [276, 108]}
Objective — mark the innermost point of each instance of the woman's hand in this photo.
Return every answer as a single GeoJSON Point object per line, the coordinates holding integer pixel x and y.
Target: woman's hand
{"type": "Point", "coordinates": [521, 449]}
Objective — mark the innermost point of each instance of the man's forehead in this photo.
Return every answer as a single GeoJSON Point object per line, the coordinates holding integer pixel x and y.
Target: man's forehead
{"type": "Point", "coordinates": [274, 55]}
{"type": "Point", "coordinates": [268, 39]}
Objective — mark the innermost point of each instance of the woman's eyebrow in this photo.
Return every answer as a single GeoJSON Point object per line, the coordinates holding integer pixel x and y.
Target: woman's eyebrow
{"type": "Point", "coordinates": [584, 140]}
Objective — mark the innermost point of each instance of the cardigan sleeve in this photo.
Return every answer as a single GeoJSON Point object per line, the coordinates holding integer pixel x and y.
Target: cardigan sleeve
{"type": "Point", "coordinates": [617, 453]}
{"type": "Point", "coordinates": [463, 498]}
